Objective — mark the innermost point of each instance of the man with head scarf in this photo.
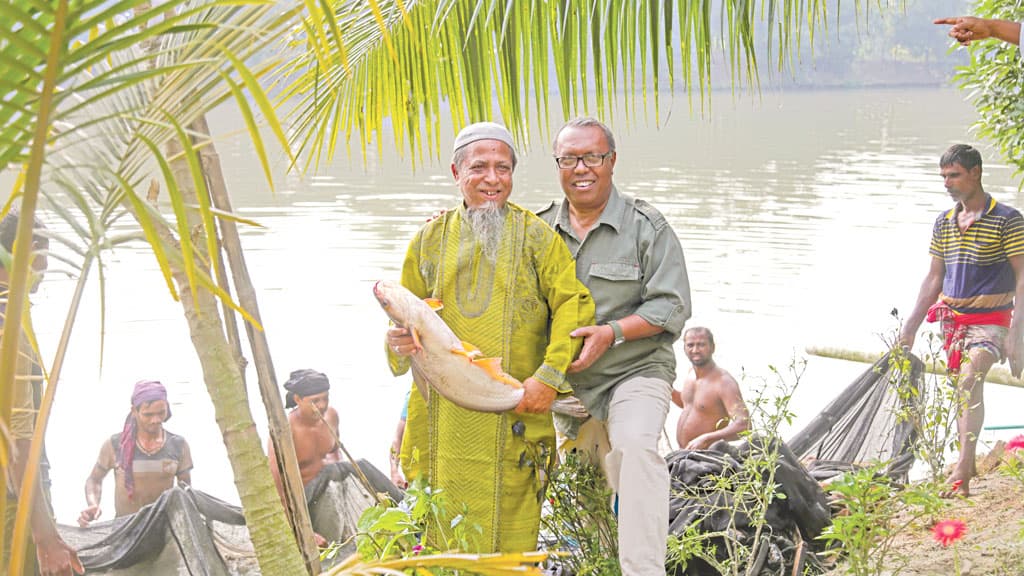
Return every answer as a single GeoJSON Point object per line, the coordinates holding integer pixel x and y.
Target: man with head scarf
{"type": "Point", "coordinates": [314, 424]}
{"type": "Point", "coordinates": [509, 288]}
{"type": "Point", "coordinates": [146, 458]}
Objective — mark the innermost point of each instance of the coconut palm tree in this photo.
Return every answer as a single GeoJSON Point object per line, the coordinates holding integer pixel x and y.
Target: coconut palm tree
{"type": "Point", "coordinates": [99, 100]}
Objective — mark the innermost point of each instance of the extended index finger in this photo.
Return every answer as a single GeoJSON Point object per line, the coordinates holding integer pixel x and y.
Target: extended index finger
{"type": "Point", "coordinates": [945, 21]}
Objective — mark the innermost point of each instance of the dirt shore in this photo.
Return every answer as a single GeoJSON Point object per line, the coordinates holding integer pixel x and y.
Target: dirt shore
{"type": "Point", "coordinates": [993, 545]}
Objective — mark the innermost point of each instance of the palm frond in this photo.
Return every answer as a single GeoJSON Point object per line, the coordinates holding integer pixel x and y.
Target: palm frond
{"type": "Point", "coordinates": [410, 63]}
{"type": "Point", "coordinates": [91, 126]}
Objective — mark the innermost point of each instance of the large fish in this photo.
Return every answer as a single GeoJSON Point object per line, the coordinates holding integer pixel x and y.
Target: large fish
{"type": "Point", "coordinates": [455, 369]}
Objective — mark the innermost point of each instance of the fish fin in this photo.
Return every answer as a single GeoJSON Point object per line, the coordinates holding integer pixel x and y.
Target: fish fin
{"type": "Point", "coordinates": [471, 352]}
{"type": "Point", "coordinates": [570, 406]}
{"type": "Point", "coordinates": [421, 384]}
{"type": "Point", "coordinates": [492, 366]}
{"type": "Point", "coordinates": [416, 339]}
{"type": "Point", "coordinates": [434, 303]}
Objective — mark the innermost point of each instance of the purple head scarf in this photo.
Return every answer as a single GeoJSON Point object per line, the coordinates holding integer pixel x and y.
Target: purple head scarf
{"type": "Point", "coordinates": [146, 392]}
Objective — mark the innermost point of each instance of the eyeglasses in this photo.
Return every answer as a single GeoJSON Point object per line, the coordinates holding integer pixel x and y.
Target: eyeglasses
{"type": "Point", "coordinates": [589, 160]}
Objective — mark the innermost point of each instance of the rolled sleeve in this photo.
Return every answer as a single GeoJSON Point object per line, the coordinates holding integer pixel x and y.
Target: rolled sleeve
{"type": "Point", "coordinates": [666, 291]}
{"type": "Point", "coordinates": [571, 307]}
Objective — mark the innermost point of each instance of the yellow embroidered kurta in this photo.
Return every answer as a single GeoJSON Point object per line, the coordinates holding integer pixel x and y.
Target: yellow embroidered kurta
{"type": "Point", "coordinates": [520, 308]}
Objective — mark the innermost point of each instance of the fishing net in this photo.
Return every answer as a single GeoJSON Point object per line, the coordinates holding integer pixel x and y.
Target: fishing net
{"type": "Point", "coordinates": [718, 496]}
{"type": "Point", "coordinates": [862, 424]}
{"type": "Point", "coordinates": [714, 490]}
{"type": "Point", "coordinates": [187, 532]}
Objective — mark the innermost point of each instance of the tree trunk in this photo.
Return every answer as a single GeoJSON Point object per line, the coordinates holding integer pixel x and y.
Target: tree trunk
{"type": "Point", "coordinates": [277, 420]}
{"type": "Point", "coordinates": [276, 549]}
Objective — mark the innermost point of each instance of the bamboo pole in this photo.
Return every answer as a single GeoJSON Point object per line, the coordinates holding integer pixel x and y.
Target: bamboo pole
{"type": "Point", "coordinates": [230, 321]}
{"type": "Point", "coordinates": [996, 374]}
{"type": "Point", "coordinates": [280, 432]}
{"type": "Point", "coordinates": [265, 517]}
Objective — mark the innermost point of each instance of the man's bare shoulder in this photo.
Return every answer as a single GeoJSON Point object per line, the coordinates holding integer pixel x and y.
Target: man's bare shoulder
{"type": "Point", "coordinates": [722, 377]}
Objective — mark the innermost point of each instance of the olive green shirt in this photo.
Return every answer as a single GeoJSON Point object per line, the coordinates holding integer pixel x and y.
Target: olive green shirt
{"type": "Point", "coordinates": [632, 262]}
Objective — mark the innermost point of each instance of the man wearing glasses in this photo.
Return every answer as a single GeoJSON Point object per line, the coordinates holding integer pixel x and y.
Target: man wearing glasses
{"type": "Point", "coordinates": [630, 258]}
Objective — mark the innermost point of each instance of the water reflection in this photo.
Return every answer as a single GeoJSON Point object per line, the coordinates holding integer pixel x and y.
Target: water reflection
{"type": "Point", "coordinates": [805, 218]}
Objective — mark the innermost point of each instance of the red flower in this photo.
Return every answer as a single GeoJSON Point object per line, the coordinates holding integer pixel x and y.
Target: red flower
{"type": "Point", "coordinates": [417, 549]}
{"type": "Point", "coordinates": [949, 531]}
{"type": "Point", "coordinates": [956, 485]}
{"type": "Point", "coordinates": [1015, 443]}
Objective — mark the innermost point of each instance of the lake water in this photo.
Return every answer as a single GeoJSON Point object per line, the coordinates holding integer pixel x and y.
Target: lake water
{"type": "Point", "coordinates": [804, 216]}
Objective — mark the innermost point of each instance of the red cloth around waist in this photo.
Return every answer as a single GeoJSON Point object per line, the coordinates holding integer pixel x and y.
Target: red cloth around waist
{"type": "Point", "coordinates": [954, 327]}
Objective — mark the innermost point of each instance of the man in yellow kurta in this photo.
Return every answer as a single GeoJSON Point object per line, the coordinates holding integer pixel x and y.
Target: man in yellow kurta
{"type": "Point", "coordinates": [509, 287]}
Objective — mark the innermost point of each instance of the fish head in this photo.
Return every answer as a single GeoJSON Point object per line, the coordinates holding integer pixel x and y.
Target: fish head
{"type": "Point", "coordinates": [394, 299]}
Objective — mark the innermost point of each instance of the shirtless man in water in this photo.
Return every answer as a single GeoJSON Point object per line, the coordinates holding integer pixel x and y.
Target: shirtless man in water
{"type": "Point", "coordinates": [314, 437]}
{"type": "Point", "coordinates": [713, 408]}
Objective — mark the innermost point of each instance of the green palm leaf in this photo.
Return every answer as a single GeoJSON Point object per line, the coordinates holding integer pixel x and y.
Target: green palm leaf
{"type": "Point", "coordinates": [125, 80]}
{"type": "Point", "coordinates": [410, 63]}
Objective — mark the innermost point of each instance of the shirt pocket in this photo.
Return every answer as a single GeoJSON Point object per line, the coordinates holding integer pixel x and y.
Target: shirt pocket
{"type": "Point", "coordinates": [616, 271]}
{"type": "Point", "coordinates": [615, 286]}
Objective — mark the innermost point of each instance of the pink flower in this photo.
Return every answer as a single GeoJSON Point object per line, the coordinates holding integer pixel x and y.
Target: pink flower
{"type": "Point", "coordinates": [1016, 443]}
{"type": "Point", "coordinates": [417, 549]}
{"type": "Point", "coordinates": [949, 531]}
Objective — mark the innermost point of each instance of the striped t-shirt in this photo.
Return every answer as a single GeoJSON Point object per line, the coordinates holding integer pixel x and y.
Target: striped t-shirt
{"type": "Point", "coordinates": [979, 277]}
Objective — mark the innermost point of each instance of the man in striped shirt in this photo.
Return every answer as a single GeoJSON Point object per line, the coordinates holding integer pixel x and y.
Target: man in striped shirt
{"type": "Point", "coordinates": [975, 288]}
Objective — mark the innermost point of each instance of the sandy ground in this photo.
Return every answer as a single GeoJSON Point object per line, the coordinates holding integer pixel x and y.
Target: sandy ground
{"type": "Point", "coordinates": [993, 545]}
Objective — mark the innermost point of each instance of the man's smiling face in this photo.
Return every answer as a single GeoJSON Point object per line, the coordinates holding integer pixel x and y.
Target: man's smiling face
{"type": "Point", "coordinates": [585, 186]}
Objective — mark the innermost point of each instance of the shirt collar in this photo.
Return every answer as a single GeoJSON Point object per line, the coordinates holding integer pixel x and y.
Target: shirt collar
{"type": "Point", "coordinates": [613, 214]}
{"type": "Point", "coordinates": [956, 208]}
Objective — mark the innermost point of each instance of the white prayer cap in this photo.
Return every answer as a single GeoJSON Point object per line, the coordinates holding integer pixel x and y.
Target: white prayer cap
{"type": "Point", "coordinates": [483, 131]}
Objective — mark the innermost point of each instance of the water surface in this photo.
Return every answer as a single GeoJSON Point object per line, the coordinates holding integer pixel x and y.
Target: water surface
{"type": "Point", "coordinates": [805, 218]}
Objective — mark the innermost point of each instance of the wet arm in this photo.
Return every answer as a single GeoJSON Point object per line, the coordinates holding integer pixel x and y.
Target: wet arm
{"type": "Point", "coordinates": [394, 452]}
{"type": "Point", "coordinates": [1014, 346]}
{"type": "Point", "coordinates": [54, 555]}
{"type": "Point", "coordinates": [333, 423]}
{"type": "Point", "coordinates": [739, 415]}
{"type": "Point", "coordinates": [94, 485]}
{"type": "Point", "coordinates": [677, 398]}
{"type": "Point", "coordinates": [931, 287]}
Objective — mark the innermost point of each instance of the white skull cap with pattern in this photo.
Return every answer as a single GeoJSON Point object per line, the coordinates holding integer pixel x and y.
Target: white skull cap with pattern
{"type": "Point", "coordinates": [483, 131]}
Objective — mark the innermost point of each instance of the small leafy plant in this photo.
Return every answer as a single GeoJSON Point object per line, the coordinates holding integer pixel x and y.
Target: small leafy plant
{"type": "Point", "coordinates": [874, 512]}
{"type": "Point", "coordinates": [930, 409]}
{"type": "Point", "coordinates": [402, 530]}
{"type": "Point", "coordinates": [578, 519]}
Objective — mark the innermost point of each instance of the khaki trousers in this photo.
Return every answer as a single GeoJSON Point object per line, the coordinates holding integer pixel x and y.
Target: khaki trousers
{"type": "Point", "coordinates": [626, 449]}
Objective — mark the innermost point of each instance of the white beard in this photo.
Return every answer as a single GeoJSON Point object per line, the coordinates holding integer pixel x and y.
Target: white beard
{"type": "Point", "coordinates": [487, 223]}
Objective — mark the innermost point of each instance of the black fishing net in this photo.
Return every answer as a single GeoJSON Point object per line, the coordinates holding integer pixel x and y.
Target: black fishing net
{"type": "Point", "coordinates": [187, 532]}
{"type": "Point", "coordinates": [862, 425]}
